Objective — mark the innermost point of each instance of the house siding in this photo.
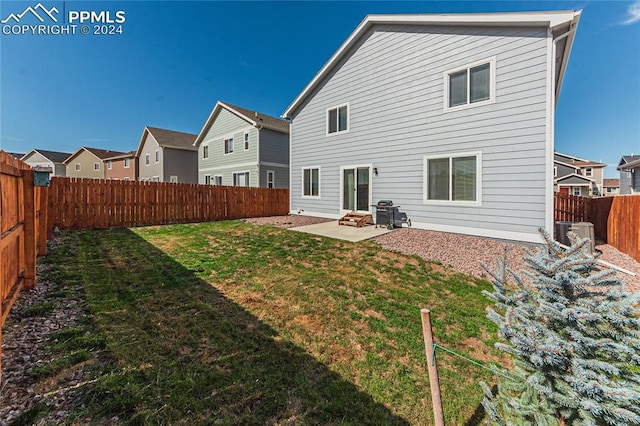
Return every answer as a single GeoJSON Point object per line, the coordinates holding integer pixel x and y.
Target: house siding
{"type": "Point", "coordinates": [118, 171]}
{"type": "Point", "coordinates": [37, 159]}
{"type": "Point", "coordinates": [225, 125]}
{"type": "Point", "coordinates": [148, 171]}
{"type": "Point", "coordinates": [87, 161]}
{"type": "Point", "coordinates": [274, 149]}
{"type": "Point", "coordinates": [625, 182]}
{"type": "Point", "coordinates": [180, 163]}
{"type": "Point", "coordinates": [281, 175]}
{"type": "Point", "coordinates": [393, 80]}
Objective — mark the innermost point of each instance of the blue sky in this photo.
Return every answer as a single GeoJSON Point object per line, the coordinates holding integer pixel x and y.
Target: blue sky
{"type": "Point", "coordinates": [174, 60]}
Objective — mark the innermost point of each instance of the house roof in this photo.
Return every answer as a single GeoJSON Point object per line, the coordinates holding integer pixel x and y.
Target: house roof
{"type": "Point", "coordinates": [17, 155]}
{"type": "Point", "coordinates": [573, 179]}
{"type": "Point", "coordinates": [631, 164]}
{"type": "Point", "coordinates": [614, 182]}
{"type": "Point", "coordinates": [130, 154]}
{"type": "Point", "coordinates": [54, 156]}
{"type": "Point", "coordinates": [577, 161]}
{"type": "Point", "coordinates": [573, 166]}
{"type": "Point", "coordinates": [626, 159]}
{"type": "Point", "coordinates": [561, 22]}
{"type": "Point", "coordinates": [256, 119]}
{"type": "Point", "coordinates": [167, 139]}
{"type": "Point", "coordinates": [101, 154]}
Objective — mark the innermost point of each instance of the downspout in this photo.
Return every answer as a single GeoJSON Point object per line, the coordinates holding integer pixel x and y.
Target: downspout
{"type": "Point", "coordinates": [258, 152]}
{"type": "Point", "coordinates": [550, 221]}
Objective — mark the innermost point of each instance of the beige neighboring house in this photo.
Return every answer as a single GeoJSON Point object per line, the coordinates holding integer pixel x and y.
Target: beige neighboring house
{"type": "Point", "coordinates": [167, 156]}
{"type": "Point", "coordinates": [52, 160]}
{"type": "Point", "coordinates": [611, 186]}
{"type": "Point", "coordinates": [89, 162]}
{"type": "Point", "coordinates": [577, 176]}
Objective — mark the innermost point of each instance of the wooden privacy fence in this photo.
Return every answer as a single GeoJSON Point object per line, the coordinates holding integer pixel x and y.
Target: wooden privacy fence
{"type": "Point", "coordinates": [89, 203]}
{"type": "Point", "coordinates": [616, 220]}
{"type": "Point", "coordinates": [570, 208]}
{"type": "Point", "coordinates": [18, 237]}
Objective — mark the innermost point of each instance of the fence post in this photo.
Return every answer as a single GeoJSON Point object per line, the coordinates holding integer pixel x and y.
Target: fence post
{"type": "Point", "coordinates": [436, 400]}
{"type": "Point", "coordinates": [29, 230]}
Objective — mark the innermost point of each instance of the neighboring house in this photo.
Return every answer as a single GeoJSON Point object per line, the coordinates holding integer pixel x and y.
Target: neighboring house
{"type": "Point", "coordinates": [121, 167]}
{"type": "Point", "coordinates": [167, 156]}
{"type": "Point", "coordinates": [449, 116]}
{"type": "Point", "coordinates": [88, 162]}
{"type": "Point", "coordinates": [52, 160]}
{"type": "Point", "coordinates": [577, 176]}
{"type": "Point", "coordinates": [611, 187]}
{"type": "Point", "coordinates": [629, 168]}
{"type": "Point", "coordinates": [17, 155]}
{"type": "Point", "coordinates": [241, 147]}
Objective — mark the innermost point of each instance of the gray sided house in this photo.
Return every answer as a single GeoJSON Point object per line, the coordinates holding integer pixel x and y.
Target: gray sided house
{"type": "Point", "coordinates": [167, 156]}
{"type": "Point", "coordinates": [629, 168]}
{"type": "Point", "coordinates": [577, 176]}
{"type": "Point", "coordinates": [52, 160]}
{"type": "Point", "coordinates": [449, 116]}
{"type": "Point", "coordinates": [240, 147]}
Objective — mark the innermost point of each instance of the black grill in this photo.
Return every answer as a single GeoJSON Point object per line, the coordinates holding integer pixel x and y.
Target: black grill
{"type": "Point", "coordinates": [389, 215]}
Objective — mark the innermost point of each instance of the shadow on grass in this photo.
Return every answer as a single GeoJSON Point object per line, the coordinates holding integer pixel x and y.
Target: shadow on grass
{"type": "Point", "coordinates": [180, 351]}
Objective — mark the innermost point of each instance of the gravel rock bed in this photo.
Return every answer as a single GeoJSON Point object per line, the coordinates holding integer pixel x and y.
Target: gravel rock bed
{"type": "Point", "coordinates": [467, 253]}
{"type": "Point", "coordinates": [25, 338]}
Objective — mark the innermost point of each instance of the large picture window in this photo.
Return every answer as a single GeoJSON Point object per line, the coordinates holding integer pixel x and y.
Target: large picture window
{"type": "Point", "coordinates": [338, 119]}
{"type": "Point", "coordinates": [470, 85]}
{"type": "Point", "coordinates": [452, 178]}
{"type": "Point", "coordinates": [311, 182]}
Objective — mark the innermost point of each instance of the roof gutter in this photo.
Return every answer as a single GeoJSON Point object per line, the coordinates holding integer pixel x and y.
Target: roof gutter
{"type": "Point", "coordinates": [573, 26]}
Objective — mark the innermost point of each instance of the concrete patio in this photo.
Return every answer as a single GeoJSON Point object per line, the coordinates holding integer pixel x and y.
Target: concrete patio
{"type": "Point", "coordinates": [341, 232]}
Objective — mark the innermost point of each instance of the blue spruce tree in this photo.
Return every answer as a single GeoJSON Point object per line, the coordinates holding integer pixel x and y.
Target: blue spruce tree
{"type": "Point", "coordinates": [573, 332]}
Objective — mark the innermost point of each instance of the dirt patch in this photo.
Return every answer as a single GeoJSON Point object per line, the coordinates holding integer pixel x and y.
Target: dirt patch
{"type": "Point", "coordinates": [289, 221]}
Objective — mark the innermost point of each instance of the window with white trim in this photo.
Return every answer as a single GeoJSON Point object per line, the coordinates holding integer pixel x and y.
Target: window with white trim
{"type": "Point", "coordinates": [207, 179]}
{"type": "Point", "coordinates": [126, 178]}
{"type": "Point", "coordinates": [217, 180]}
{"type": "Point", "coordinates": [338, 119]}
{"type": "Point", "coordinates": [77, 167]}
{"type": "Point", "coordinates": [96, 166]}
{"type": "Point", "coordinates": [271, 177]}
{"type": "Point", "coordinates": [127, 163]}
{"type": "Point", "coordinates": [588, 171]}
{"type": "Point", "coordinates": [157, 155]}
{"type": "Point", "coordinates": [147, 159]}
{"type": "Point", "coordinates": [228, 146]}
{"type": "Point", "coordinates": [555, 171]}
{"type": "Point", "coordinates": [155, 179]}
{"type": "Point", "coordinates": [246, 141]}
{"type": "Point", "coordinates": [173, 179]}
{"type": "Point", "coordinates": [452, 178]}
{"type": "Point", "coordinates": [311, 182]}
{"type": "Point", "coordinates": [471, 84]}
{"type": "Point", "coordinates": [205, 151]}
{"type": "Point", "coordinates": [109, 165]}
{"type": "Point", "coordinates": [576, 190]}
{"type": "Point", "coordinates": [241, 179]}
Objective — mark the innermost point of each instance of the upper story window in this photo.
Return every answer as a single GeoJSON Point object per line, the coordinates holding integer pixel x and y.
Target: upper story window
{"type": "Point", "coordinates": [470, 85]}
{"type": "Point", "coordinates": [96, 166]}
{"type": "Point", "coordinates": [246, 141]}
{"type": "Point", "coordinates": [147, 159]}
{"type": "Point", "coordinates": [228, 146]}
{"type": "Point", "coordinates": [109, 165]}
{"type": "Point", "coordinates": [127, 163]}
{"type": "Point", "coordinates": [205, 151]}
{"type": "Point", "coordinates": [157, 155]}
{"type": "Point", "coordinates": [453, 178]}
{"type": "Point", "coordinates": [588, 171]}
{"type": "Point", "coordinates": [555, 171]}
{"type": "Point", "coordinates": [77, 167]}
{"type": "Point", "coordinates": [338, 119]}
